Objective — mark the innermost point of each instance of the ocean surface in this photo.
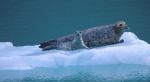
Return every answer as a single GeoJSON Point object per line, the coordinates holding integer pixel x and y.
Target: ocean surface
{"type": "Point", "coordinates": [104, 73]}
{"type": "Point", "coordinates": [30, 22]}
{"type": "Point", "coordinates": [26, 23]}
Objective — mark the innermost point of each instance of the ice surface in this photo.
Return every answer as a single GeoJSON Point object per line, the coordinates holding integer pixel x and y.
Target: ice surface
{"type": "Point", "coordinates": [132, 51]}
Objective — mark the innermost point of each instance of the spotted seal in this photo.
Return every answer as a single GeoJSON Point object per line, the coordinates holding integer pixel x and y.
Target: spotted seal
{"type": "Point", "coordinates": [104, 35]}
{"type": "Point", "coordinates": [69, 42]}
{"type": "Point", "coordinates": [89, 38]}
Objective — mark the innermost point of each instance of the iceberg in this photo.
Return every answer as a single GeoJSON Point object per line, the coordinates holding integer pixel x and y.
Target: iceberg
{"type": "Point", "coordinates": [132, 51]}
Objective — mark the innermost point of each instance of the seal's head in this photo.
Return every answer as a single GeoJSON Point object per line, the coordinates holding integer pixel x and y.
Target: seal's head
{"type": "Point", "coordinates": [120, 27]}
{"type": "Point", "coordinates": [78, 33]}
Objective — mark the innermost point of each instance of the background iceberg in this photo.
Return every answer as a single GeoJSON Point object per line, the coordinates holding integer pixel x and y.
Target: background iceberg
{"type": "Point", "coordinates": [132, 51]}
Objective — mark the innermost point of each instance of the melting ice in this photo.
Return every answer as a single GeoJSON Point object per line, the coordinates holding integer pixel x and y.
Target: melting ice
{"type": "Point", "coordinates": [132, 51]}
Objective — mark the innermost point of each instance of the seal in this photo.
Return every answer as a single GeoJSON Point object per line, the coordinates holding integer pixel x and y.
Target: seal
{"type": "Point", "coordinates": [69, 42]}
{"type": "Point", "coordinates": [89, 38]}
{"type": "Point", "coordinates": [104, 35]}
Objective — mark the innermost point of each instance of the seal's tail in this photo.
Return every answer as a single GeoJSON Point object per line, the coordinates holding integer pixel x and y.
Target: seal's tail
{"type": "Point", "coordinates": [48, 45]}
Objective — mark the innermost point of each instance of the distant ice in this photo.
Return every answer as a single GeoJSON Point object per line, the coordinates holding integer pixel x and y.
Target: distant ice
{"type": "Point", "coordinates": [132, 51]}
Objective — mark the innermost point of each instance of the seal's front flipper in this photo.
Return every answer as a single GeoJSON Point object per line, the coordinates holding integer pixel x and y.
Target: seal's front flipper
{"type": "Point", "coordinates": [121, 41]}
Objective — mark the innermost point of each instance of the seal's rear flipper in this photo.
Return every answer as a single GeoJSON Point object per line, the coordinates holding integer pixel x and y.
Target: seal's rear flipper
{"type": "Point", "coordinates": [48, 45]}
{"type": "Point", "coordinates": [43, 44]}
{"type": "Point", "coordinates": [48, 48]}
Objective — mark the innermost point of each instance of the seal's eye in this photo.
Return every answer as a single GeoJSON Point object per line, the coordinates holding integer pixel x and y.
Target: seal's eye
{"type": "Point", "coordinates": [120, 25]}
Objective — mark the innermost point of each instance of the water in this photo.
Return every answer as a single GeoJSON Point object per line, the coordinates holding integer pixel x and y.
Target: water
{"type": "Point", "coordinates": [104, 73]}
{"type": "Point", "coordinates": [30, 22]}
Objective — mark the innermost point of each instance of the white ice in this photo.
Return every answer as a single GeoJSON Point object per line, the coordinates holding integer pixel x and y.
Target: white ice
{"type": "Point", "coordinates": [132, 51]}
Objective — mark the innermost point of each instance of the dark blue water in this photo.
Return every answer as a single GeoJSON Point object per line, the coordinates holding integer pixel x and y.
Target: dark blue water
{"type": "Point", "coordinates": [33, 21]}
{"type": "Point", "coordinates": [104, 73]}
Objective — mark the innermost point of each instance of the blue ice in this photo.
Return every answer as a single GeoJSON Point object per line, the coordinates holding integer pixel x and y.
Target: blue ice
{"type": "Point", "coordinates": [132, 51]}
